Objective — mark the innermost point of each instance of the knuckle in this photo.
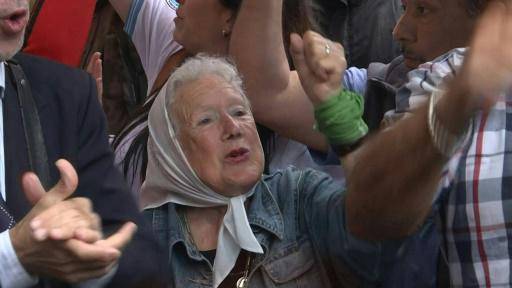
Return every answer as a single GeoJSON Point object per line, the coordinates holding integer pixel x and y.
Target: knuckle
{"type": "Point", "coordinates": [83, 203]}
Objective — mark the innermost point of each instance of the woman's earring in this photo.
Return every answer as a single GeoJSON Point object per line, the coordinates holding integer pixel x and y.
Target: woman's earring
{"type": "Point", "coordinates": [225, 33]}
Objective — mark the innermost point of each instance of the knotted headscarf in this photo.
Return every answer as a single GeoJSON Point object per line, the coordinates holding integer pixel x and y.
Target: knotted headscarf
{"type": "Point", "coordinates": [170, 178]}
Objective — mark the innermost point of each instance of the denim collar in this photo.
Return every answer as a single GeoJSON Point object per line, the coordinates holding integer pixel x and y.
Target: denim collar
{"type": "Point", "coordinates": [263, 214]}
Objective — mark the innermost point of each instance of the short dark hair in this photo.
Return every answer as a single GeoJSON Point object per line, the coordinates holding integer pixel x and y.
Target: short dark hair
{"type": "Point", "coordinates": [475, 7]}
{"type": "Point", "coordinates": [233, 5]}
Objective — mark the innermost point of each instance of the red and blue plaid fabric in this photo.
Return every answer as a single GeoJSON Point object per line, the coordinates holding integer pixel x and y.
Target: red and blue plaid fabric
{"type": "Point", "coordinates": [475, 196]}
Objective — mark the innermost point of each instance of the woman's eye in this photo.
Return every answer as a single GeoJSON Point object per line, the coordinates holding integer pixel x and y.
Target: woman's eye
{"type": "Point", "coordinates": [239, 112]}
{"type": "Point", "coordinates": [422, 10]}
{"type": "Point", "coordinates": [204, 121]}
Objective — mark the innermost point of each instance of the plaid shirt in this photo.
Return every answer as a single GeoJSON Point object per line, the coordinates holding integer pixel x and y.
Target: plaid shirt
{"type": "Point", "coordinates": [475, 195]}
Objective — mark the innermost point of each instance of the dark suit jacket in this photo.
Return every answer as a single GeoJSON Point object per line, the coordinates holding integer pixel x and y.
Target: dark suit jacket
{"type": "Point", "coordinates": [74, 128]}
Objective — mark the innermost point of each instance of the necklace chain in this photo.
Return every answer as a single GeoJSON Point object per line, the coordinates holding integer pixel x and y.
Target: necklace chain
{"type": "Point", "coordinates": [242, 282]}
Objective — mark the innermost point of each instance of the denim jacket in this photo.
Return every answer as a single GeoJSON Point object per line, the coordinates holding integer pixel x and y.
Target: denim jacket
{"type": "Point", "coordinates": [298, 218]}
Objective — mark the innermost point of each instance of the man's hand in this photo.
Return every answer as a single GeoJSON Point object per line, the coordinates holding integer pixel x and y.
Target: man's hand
{"type": "Point", "coordinates": [487, 69]}
{"type": "Point", "coordinates": [95, 68]}
{"type": "Point", "coordinates": [320, 64]}
{"type": "Point", "coordinates": [486, 72]}
{"type": "Point", "coordinates": [61, 237]}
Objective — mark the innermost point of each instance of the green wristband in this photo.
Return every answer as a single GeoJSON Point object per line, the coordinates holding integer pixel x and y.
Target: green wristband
{"type": "Point", "coordinates": [340, 118]}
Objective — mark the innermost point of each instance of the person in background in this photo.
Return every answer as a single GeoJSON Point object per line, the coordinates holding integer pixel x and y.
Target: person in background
{"type": "Point", "coordinates": [156, 29]}
{"type": "Point", "coordinates": [363, 27]}
{"type": "Point", "coordinates": [456, 151]}
{"type": "Point", "coordinates": [55, 236]}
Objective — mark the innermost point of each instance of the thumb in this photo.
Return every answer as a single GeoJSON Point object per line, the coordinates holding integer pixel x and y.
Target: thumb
{"type": "Point", "coordinates": [32, 187]}
{"type": "Point", "coordinates": [66, 185]}
{"type": "Point", "coordinates": [297, 53]}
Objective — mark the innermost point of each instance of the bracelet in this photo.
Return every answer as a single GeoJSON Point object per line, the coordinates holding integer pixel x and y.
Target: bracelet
{"type": "Point", "coordinates": [444, 141]}
{"type": "Point", "coordinates": [340, 118]}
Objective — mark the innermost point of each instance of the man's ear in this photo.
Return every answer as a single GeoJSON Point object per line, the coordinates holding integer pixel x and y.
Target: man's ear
{"type": "Point", "coordinates": [229, 18]}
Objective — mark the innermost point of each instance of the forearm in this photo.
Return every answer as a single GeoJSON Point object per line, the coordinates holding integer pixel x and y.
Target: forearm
{"type": "Point", "coordinates": [393, 180]}
{"type": "Point", "coordinates": [257, 45]}
{"type": "Point", "coordinates": [393, 177]}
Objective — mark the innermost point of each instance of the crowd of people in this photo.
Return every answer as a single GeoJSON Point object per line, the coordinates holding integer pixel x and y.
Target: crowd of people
{"type": "Point", "coordinates": [255, 143]}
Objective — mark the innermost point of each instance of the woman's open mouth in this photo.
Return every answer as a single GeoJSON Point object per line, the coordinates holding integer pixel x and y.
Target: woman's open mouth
{"type": "Point", "coordinates": [15, 22]}
{"type": "Point", "coordinates": [238, 155]}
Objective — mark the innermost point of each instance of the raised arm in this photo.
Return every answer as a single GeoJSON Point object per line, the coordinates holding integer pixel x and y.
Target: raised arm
{"type": "Point", "coordinates": [122, 7]}
{"type": "Point", "coordinates": [386, 200]}
{"type": "Point", "coordinates": [277, 98]}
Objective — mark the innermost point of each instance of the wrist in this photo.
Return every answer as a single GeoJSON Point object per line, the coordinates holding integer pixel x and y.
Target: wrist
{"type": "Point", "coordinates": [325, 97]}
{"type": "Point", "coordinates": [340, 120]}
{"type": "Point", "coordinates": [447, 135]}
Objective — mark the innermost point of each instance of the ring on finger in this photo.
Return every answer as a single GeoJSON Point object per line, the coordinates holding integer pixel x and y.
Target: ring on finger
{"type": "Point", "coordinates": [327, 49]}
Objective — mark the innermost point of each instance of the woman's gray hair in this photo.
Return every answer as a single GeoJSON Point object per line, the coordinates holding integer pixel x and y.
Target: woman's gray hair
{"type": "Point", "coordinates": [198, 67]}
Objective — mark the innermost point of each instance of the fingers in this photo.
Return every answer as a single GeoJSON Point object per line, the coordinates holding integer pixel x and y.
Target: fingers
{"type": "Point", "coordinates": [91, 273]}
{"type": "Point", "coordinates": [297, 53]}
{"type": "Point", "coordinates": [121, 238]}
{"type": "Point", "coordinates": [88, 235]}
{"type": "Point", "coordinates": [65, 187]}
{"type": "Point", "coordinates": [99, 86]}
{"type": "Point", "coordinates": [316, 49]}
{"type": "Point", "coordinates": [87, 252]}
{"type": "Point", "coordinates": [95, 68]}
{"type": "Point", "coordinates": [32, 187]}
{"type": "Point", "coordinates": [60, 221]}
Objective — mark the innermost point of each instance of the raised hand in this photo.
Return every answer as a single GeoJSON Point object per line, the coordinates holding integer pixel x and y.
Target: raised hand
{"type": "Point", "coordinates": [487, 69]}
{"type": "Point", "coordinates": [95, 68]}
{"type": "Point", "coordinates": [61, 237]}
{"type": "Point", "coordinates": [320, 64]}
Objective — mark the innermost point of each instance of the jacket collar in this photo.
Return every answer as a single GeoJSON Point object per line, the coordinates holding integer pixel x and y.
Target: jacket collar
{"type": "Point", "coordinates": [263, 213]}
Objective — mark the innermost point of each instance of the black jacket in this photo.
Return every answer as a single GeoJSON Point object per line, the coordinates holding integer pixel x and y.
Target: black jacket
{"type": "Point", "coordinates": [74, 128]}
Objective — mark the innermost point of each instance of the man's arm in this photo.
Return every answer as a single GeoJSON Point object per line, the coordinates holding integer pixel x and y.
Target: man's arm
{"type": "Point", "coordinates": [277, 98]}
{"type": "Point", "coordinates": [122, 7]}
{"type": "Point", "coordinates": [398, 197]}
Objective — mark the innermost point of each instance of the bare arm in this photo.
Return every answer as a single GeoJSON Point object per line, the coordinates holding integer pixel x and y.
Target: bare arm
{"type": "Point", "coordinates": [277, 98]}
{"type": "Point", "coordinates": [122, 7]}
{"type": "Point", "coordinates": [398, 197]}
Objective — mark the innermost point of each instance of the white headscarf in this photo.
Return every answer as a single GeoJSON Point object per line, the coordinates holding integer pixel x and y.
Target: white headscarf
{"type": "Point", "coordinates": [170, 178]}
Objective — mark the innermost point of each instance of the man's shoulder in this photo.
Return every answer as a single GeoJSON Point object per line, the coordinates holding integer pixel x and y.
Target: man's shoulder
{"type": "Point", "coordinates": [43, 69]}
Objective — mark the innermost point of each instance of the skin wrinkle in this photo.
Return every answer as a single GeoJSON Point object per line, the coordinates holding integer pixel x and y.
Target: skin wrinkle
{"type": "Point", "coordinates": [230, 126]}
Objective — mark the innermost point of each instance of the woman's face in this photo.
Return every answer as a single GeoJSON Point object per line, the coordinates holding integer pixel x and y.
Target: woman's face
{"type": "Point", "coordinates": [200, 25]}
{"type": "Point", "coordinates": [218, 135]}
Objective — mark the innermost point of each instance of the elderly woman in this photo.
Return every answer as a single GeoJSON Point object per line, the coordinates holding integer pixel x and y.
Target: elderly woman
{"type": "Point", "coordinates": [224, 224]}
{"type": "Point", "coordinates": [165, 33]}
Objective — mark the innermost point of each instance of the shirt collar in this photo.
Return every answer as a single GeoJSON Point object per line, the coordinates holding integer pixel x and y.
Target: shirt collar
{"type": "Point", "coordinates": [2, 79]}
